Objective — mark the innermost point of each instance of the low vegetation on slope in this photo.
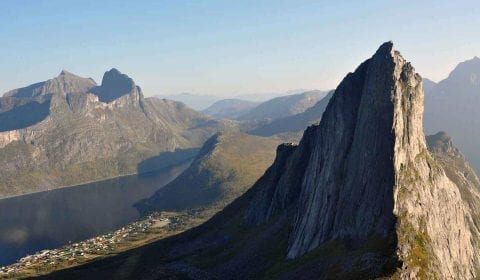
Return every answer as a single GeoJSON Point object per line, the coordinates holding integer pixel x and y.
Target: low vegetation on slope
{"type": "Point", "coordinates": [226, 166]}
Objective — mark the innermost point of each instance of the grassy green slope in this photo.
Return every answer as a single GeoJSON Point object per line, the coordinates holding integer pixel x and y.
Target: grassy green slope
{"type": "Point", "coordinates": [226, 166]}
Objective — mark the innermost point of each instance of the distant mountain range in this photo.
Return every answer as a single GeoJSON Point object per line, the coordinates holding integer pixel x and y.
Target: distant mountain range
{"type": "Point", "coordinates": [267, 111]}
{"type": "Point", "coordinates": [194, 101]}
{"type": "Point", "coordinates": [69, 130]}
{"type": "Point", "coordinates": [284, 106]}
{"type": "Point", "coordinates": [201, 102]}
{"type": "Point", "coordinates": [364, 195]}
{"type": "Point", "coordinates": [453, 105]}
{"type": "Point", "coordinates": [230, 108]}
{"type": "Point", "coordinates": [294, 123]}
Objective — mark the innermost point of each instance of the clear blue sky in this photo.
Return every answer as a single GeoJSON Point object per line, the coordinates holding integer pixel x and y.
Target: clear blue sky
{"type": "Point", "coordinates": [228, 47]}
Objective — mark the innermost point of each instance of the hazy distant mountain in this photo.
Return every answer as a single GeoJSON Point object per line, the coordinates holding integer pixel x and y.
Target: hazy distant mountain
{"type": "Point", "coordinates": [360, 197]}
{"type": "Point", "coordinates": [284, 106]}
{"type": "Point", "coordinates": [265, 96]}
{"type": "Point", "coordinates": [453, 105]}
{"type": "Point", "coordinates": [295, 123]}
{"type": "Point", "coordinates": [230, 108]}
{"type": "Point", "coordinates": [194, 101]}
{"type": "Point", "coordinates": [59, 132]}
{"type": "Point", "coordinates": [201, 102]}
{"type": "Point", "coordinates": [428, 85]}
{"type": "Point", "coordinates": [226, 166]}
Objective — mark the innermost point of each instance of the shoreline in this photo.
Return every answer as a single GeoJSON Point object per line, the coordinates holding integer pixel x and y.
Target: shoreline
{"type": "Point", "coordinates": [188, 161]}
{"type": "Point", "coordinates": [151, 228]}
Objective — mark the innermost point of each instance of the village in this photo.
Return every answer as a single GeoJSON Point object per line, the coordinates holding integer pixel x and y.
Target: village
{"type": "Point", "coordinates": [154, 226]}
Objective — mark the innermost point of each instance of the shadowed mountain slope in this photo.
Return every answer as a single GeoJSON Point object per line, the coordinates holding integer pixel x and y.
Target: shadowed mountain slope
{"type": "Point", "coordinates": [69, 136]}
{"type": "Point", "coordinates": [226, 166]}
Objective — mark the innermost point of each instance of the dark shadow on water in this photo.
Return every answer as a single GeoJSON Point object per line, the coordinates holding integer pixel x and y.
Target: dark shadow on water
{"type": "Point", "coordinates": [164, 160]}
{"type": "Point", "coordinates": [50, 219]}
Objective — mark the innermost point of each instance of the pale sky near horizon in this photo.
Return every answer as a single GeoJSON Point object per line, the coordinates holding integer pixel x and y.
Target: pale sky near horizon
{"type": "Point", "coordinates": [228, 47]}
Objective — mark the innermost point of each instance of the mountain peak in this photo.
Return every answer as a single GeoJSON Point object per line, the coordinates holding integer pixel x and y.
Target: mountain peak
{"type": "Point", "coordinates": [114, 85]}
{"type": "Point", "coordinates": [441, 142]}
{"type": "Point", "coordinates": [342, 202]}
{"type": "Point", "coordinates": [64, 72]}
{"type": "Point", "coordinates": [385, 48]}
{"type": "Point", "coordinates": [467, 72]}
{"type": "Point", "coordinates": [114, 75]}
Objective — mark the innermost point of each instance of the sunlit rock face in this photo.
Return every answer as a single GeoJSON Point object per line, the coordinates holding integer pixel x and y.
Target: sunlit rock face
{"type": "Point", "coordinates": [369, 179]}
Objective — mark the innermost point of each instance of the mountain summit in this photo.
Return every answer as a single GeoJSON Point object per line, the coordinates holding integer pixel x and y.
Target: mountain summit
{"type": "Point", "coordinates": [467, 72]}
{"type": "Point", "coordinates": [114, 85]}
{"type": "Point", "coordinates": [68, 131]}
{"type": "Point", "coordinates": [371, 186]}
{"type": "Point", "coordinates": [360, 197]}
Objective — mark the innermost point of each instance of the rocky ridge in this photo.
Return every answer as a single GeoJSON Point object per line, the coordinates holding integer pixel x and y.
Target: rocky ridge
{"type": "Point", "coordinates": [82, 139]}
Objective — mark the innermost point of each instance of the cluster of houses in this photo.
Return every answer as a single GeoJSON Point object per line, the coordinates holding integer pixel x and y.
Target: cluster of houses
{"type": "Point", "coordinates": [91, 248]}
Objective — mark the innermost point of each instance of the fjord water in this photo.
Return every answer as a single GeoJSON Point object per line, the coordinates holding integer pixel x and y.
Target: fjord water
{"type": "Point", "coordinates": [50, 219]}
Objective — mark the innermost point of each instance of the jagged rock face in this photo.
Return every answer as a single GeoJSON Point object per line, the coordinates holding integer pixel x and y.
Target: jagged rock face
{"type": "Point", "coordinates": [370, 178]}
{"type": "Point", "coordinates": [358, 118]}
{"type": "Point", "coordinates": [461, 173]}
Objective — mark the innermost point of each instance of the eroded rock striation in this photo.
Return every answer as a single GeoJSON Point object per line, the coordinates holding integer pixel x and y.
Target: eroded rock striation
{"type": "Point", "coordinates": [370, 179]}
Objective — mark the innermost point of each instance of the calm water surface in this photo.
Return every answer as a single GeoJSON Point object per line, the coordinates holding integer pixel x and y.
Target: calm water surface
{"type": "Point", "coordinates": [51, 219]}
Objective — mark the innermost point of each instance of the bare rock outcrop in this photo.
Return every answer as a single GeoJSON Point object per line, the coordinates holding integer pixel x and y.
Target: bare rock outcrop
{"type": "Point", "coordinates": [370, 179]}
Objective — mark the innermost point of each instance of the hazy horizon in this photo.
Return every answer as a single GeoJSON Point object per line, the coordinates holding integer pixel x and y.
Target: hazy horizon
{"type": "Point", "coordinates": [220, 49]}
